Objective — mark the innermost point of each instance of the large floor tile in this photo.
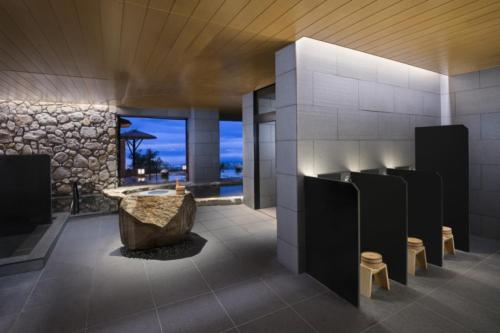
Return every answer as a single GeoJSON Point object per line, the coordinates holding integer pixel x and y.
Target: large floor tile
{"type": "Point", "coordinates": [12, 300]}
{"type": "Point", "coordinates": [293, 288]}
{"type": "Point", "coordinates": [23, 280]}
{"type": "Point", "coordinates": [418, 319]}
{"type": "Point", "coordinates": [223, 273]}
{"type": "Point", "coordinates": [212, 251]}
{"type": "Point", "coordinates": [230, 233]}
{"type": "Point", "coordinates": [260, 226]}
{"type": "Point", "coordinates": [198, 227]}
{"type": "Point", "coordinates": [119, 291]}
{"type": "Point", "coordinates": [208, 216]}
{"type": "Point", "coordinates": [251, 218]}
{"type": "Point", "coordinates": [284, 320]}
{"type": "Point", "coordinates": [109, 253]}
{"type": "Point", "coordinates": [249, 300]}
{"type": "Point", "coordinates": [329, 312]}
{"type": "Point", "coordinates": [69, 288]}
{"type": "Point", "coordinates": [463, 311]}
{"type": "Point", "coordinates": [6, 322]}
{"type": "Point", "coordinates": [461, 262]}
{"type": "Point", "coordinates": [384, 303]}
{"type": "Point", "coordinates": [251, 248]}
{"type": "Point", "coordinates": [144, 322]}
{"type": "Point", "coordinates": [486, 274]}
{"type": "Point", "coordinates": [169, 285]}
{"type": "Point", "coordinates": [476, 291]}
{"type": "Point", "coordinates": [425, 281]}
{"type": "Point", "coordinates": [60, 269]}
{"type": "Point", "coordinates": [493, 259]}
{"type": "Point", "coordinates": [215, 224]}
{"type": "Point", "coordinates": [59, 317]}
{"type": "Point", "coordinates": [378, 328]}
{"type": "Point", "coordinates": [201, 314]}
{"type": "Point", "coordinates": [79, 229]}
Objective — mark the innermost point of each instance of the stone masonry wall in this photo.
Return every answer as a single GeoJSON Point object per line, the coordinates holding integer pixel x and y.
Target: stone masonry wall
{"type": "Point", "coordinates": [80, 138]}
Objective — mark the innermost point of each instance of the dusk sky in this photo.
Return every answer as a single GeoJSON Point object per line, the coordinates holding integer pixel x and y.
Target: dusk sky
{"type": "Point", "coordinates": [171, 139]}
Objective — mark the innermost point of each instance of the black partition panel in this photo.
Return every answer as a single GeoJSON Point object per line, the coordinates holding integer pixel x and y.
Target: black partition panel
{"type": "Point", "coordinates": [383, 219]}
{"type": "Point", "coordinates": [425, 210]}
{"type": "Point", "coordinates": [25, 193]}
{"type": "Point", "coordinates": [445, 149]}
{"type": "Point", "coordinates": [332, 235]}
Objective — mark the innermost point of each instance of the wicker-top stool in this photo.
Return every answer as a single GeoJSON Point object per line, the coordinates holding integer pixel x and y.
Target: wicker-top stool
{"type": "Point", "coordinates": [372, 267]}
{"type": "Point", "coordinates": [416, 255]}
{"type": "Point", "coordinates": [448, 241]}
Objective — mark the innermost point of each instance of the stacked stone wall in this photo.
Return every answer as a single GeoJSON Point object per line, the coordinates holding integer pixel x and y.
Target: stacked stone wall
{"type": "Point", "coordinates": [79, 138]}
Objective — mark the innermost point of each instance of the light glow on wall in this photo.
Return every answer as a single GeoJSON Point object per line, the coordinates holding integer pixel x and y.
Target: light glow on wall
{"type": "Point", "coordinates": [391, 68]}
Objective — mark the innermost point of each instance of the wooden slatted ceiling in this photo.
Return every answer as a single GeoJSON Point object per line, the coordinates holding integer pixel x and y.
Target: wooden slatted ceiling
{"type": "Point", "coordinates": [207, 53]}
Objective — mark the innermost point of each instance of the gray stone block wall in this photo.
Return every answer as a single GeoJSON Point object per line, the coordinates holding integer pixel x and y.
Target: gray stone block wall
{"type": "Point", "coordinates": [339, 109]}
{"type": "Point", "coordinates": [203, 142]}
{"type": "Point", "coordinates": [476, 100]}
{"type": "Point", "coordinates": [80, 138]}
{"type": "Point", "coordinates": [248, 152]}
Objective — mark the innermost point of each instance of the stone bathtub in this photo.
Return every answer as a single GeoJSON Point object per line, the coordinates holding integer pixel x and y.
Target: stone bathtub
{"type": "Point", "coordinates": [150, 218]}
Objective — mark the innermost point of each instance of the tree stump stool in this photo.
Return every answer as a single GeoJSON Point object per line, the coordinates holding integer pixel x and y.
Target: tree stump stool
{"type": "Point", "coordinates": [372, 267]}
{"type": "Point", "coordinates": [416, 255]}
{"type": "Point", "coordinates": [448, 241]}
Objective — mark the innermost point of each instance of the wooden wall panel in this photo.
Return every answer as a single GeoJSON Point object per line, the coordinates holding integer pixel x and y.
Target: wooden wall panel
{"type": "Point", "coordinates": [207, 53]}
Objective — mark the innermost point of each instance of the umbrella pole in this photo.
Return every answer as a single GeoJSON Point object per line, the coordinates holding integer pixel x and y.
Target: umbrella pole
{"type": "Point", "coordinates": [134, 151]}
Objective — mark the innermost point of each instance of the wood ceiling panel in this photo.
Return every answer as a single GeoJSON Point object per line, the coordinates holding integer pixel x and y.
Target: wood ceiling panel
{"type": "Point", "coordinates": [207, 53]}
{"type": "Point", "coordinates": [22, 18]}
{"type": "Point", "coordinates": [67, 16]}
{"type": "Point", "coordinates": [43, 14]}
{"type": "Point", "coordinates": [356, 36]}
{"type": "Point", "coordinates": [275, 10]}
{"type": "Point", "coordinates": [400, 31]}
{"type": "Point", "coordinates": [366, 19]}
{"type": "Point", "coordinates": [131, 29]}
{"type": "Point", "coordinates": [228, 11]}
{"type": "Point", "coordinates": [169, 35]}
{"type": "Point", "coordinates": [486, 25]}
{"type": "Point", "coordinates": [15, 38]}
{"type": "Point", "coordinates": [18, 57]}
{"type": "Point", "coordinates": [112, 11]}
{"type": "Point", "coordinates": [89, 19]}
{"type": "Point", "coordinates": [456, 19]}
{"type": "Point", "coordinates": [153, 27]}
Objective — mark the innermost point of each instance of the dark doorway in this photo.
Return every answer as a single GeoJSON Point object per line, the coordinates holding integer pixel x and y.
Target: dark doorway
{"type": "Point", "coordinates": [265, 147]}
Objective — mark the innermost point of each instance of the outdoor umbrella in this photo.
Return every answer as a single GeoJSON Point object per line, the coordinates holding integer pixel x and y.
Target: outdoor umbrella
{"type": "Point", "coordinates": [134, 139]}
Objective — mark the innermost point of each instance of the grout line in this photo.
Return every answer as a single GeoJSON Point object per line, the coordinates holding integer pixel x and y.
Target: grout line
{"type": "Point", "coordinates": [118, 319]}
{"type": "Point", "coordinates": [18, 315]}
{"type": "Point", "coordinates": [280, 309]}
{"type": "Point", "coordinates": [444, 317]}
{"type": "Point", "coordinates": [216, 297]}
{"type": "Point", "coordinates": [290, 305]}
{"type": "Point", "coordinates": [152, 296]}
{"type": "Point", "coordinates": [182, 300]}
{"type": "Point", "coordinates": [284, 307]}
{"type": "Point", "coordinates": [431, 291]}
{"type": "Point", "coordinates": [92, 279]}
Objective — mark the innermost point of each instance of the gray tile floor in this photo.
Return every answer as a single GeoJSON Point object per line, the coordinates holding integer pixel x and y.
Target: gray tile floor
{"type": "Point", "coordinates": [234, 285]}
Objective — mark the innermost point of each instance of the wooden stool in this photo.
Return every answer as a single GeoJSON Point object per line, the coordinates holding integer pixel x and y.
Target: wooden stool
{"type": "Point", "coordinates": [416, 255]}
{"type": "Point", "coordinates": [448, 241]}
{"type": "Point", "coordinates": [372, 267]}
